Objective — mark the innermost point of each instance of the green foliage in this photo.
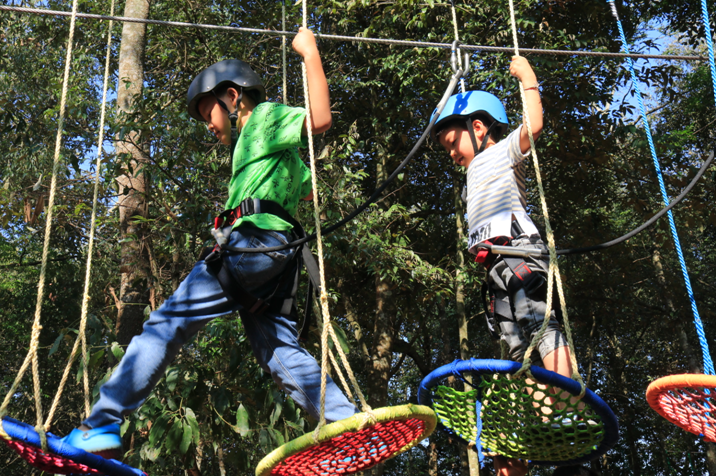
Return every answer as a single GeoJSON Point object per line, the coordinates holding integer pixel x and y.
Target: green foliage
{"type": "Point", "coordinates": [214, 406]}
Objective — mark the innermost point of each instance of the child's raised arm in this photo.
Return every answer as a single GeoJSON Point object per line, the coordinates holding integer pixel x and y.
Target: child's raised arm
{"type": "Point", "coordinates": [521, 69]}
{"type": "Point", "coordinates": [305, 45]}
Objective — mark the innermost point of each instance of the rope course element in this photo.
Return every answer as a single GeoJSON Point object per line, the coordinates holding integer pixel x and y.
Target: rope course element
{"type": "Point", "coordinates": [284, 89]}
{"type": "Point", "coordinates": [553, 273]}
{"type": "Point", "coordinates": [708, 363]}
{"type": "Point", "coordinates": [359, 39]}
{"type": "Point", "coordinates": [36, 327]}
{"type": "Point", "coordinates": [685, 400]}
{"type": "Point", "coordinates": [709, 44]}
{"type": "Point", "coordinates": [457, 42]}
{"type": "Point", "coordinates": [344, 447]}
{"type": "Point", "coordinates": [365, 439]}
{"type": "Point", "coordinates": [517, 417]}
{"type": "Point", "coordinates": [37, 446]}
{"type": "Point", "coordinates": [82, 338]}
{"type": "Point", "coordinates": [60, 458]}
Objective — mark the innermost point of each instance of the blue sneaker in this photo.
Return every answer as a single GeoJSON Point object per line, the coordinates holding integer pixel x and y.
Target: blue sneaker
{"type": "Point", "coordinates": [104, 441]}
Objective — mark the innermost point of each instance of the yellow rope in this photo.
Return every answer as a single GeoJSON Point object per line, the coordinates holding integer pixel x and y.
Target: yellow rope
{"type": "Point", "coordinates": [36, 327]}
{"type": "Point", "coordinates": [553, 273]}
{"type": "Point", "coordinates": [90, 246]}
{"type": "Point", "coordinates": [327, 327]}
{"type": "Point", "coordinates": [341, 377]}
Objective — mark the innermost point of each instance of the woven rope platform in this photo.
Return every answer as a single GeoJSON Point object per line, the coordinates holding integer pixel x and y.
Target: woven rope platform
{"type": "Point", "coordinates": [344, 448]}
{"type": "Point", "coordinates": [687, 401]}
{"type": "Point", "coordinates": [519, 417]}
{"type": "Point", "coordinates": [48, 462]}
{"type": "Point", "coordinates": [61, 458]}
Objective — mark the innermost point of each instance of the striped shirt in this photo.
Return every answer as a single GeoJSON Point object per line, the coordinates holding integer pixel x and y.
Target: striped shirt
{"type": "Point", "coordinates": [496, 192]}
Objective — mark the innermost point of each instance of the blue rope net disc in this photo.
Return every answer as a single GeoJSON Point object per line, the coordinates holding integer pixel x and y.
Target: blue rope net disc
{"type": "Point", "coordinates": [536, 417]}
{"type": "Point", "coordinates": [61, 457]}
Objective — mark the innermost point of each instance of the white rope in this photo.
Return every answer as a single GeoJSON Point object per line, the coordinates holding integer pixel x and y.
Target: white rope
{"type": "Point", "coordinates": [90, 247]}
{"type": "Point", "coordinates": [327, 327]}
{"type": "Point", "coordinates": [36, 327]}
{"type": "Point", "coordinates": [553, 266]}
{"type": "Point", "coordinates": [457, 38]}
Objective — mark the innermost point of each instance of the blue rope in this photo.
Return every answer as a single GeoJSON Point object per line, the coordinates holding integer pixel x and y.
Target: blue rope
{"type": "Point", "coordinates": [708, 363]}
{"type": "Point", "coordinates": [478, 429]}
{"type": "Point", "coordinates": [709, 44]}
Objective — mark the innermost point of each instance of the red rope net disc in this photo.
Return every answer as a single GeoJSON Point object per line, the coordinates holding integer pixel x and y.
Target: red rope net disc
{"type": "Point", "coordinates": [48, 462]}
{"type": "Point", "coordinates": [686, 401]}
{"type": "Point", "coordinates": [352, 452]}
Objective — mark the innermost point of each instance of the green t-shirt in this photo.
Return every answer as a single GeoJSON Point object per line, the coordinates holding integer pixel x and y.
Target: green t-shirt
{"type": "Point", "coordinates": [266, 163]}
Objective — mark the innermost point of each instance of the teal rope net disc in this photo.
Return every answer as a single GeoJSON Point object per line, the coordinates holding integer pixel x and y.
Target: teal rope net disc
{"type": "Point", "coordinates": [537, 418]}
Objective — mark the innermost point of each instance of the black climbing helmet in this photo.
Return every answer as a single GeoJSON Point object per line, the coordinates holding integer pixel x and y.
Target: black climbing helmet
{"type": "Point", "coordinates": [224, 73]}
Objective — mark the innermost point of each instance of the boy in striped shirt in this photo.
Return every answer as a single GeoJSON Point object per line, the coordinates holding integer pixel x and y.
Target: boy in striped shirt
{"type": "Point", "coordinates": [470, 128]}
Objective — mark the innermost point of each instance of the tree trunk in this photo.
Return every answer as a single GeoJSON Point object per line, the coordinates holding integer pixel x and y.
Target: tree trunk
{"type": "Point", "coordinates": [432, 459]}
{"type": "Point", "coordinates": [134, 295]}
{"type": "Point", "coordinates": [381, 351]}
{"type": "Point", "coordinates": [628, 420]}
{"type": "Point", "coordinates": [472, 462]}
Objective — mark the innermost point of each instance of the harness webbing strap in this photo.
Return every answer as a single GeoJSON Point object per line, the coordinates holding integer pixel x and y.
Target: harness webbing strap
{"type": "Point", "coordinates": [229, 284]}
{"type": "Point", "coordinates": [522, 276]}
{"type": "Point", "coordinates": [314, 288]}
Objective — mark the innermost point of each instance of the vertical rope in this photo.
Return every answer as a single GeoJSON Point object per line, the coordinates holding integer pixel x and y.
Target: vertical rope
{"type": "Point", "coordinates": [82, 338]}
{"type": "Point", "coordinates": [553, 273]}
{"type": "Point", "coordinates": [36, 327]}
{"type": "Point", "coordinates": [284, 92]}
{"type": "Point", "coordinates": [457, 38]}
{"type": "Point", "coordinates": [708, 363]}
{"type": "Point", "coordinates": [709, 44]}
{"type": "Point", "coordinates": [327, 327]}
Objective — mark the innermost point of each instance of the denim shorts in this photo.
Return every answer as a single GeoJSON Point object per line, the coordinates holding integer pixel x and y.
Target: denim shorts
{"type": "Point", "coordinates": [528, 313]}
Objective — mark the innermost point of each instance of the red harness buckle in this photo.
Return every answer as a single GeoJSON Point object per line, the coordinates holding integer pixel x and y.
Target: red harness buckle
{"type": "Point", "coordinates": [227, 218]}
{"type": "Point", "coordinates": [485, 256]}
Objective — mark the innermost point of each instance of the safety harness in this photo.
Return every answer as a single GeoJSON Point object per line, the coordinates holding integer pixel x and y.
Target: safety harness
{"type": "Point", "coordinates": [533, 282]}
{"type": "Point", "coordinates": [219, 268]}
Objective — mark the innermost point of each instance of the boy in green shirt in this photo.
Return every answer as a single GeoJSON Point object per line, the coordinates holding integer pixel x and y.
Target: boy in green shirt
{"type": "Point", "coordinates": [268, 179]}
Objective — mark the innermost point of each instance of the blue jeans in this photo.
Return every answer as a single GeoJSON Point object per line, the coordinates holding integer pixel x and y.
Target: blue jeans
{"type": "Point", "coordinates": [199, 299]}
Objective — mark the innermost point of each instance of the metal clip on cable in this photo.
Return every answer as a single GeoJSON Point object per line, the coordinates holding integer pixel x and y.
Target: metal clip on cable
{"type": "Point", "coordinates": [454, 53]}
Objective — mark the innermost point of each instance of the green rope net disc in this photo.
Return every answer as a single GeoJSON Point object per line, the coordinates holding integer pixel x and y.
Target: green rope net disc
{"type": "Point", "coordinates": [352, 445]}
{"type": "Point", "coordinates": [537, 416]}
{"type": "Point", "coordinates": [521, 419]}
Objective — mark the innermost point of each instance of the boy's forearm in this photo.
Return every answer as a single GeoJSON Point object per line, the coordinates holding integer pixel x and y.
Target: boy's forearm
{"type": "Point", "coordinates": [318, 93]}
{"type": "Point", "coordinates": [534, 109]}
{"type": "Point", "coordinates": [521, 69]}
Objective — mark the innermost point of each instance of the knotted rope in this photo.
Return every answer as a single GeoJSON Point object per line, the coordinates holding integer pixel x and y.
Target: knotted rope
{"type": "Point", "coordinates": [327, 327]}
{"type": "Point", "coordinates": [553, 273]}
{"type": "Point", "coordinates": [82, 338]}
{"type": "Point", "coordinates": [36, 327]}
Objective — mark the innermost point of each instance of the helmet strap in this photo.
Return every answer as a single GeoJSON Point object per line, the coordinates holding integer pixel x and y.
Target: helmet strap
{"type": "Point", "coordinates": [471, 131]}
{"type": "Point", "coordinates": [234, 117]}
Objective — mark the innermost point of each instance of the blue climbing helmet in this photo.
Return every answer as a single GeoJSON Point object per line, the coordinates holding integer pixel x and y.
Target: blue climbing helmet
{"type": "Point", "coordinates": [466, 106]}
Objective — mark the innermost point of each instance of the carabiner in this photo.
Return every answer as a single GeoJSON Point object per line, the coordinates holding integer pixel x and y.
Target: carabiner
{"type": "Point", "coordinates": [454, 52]}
